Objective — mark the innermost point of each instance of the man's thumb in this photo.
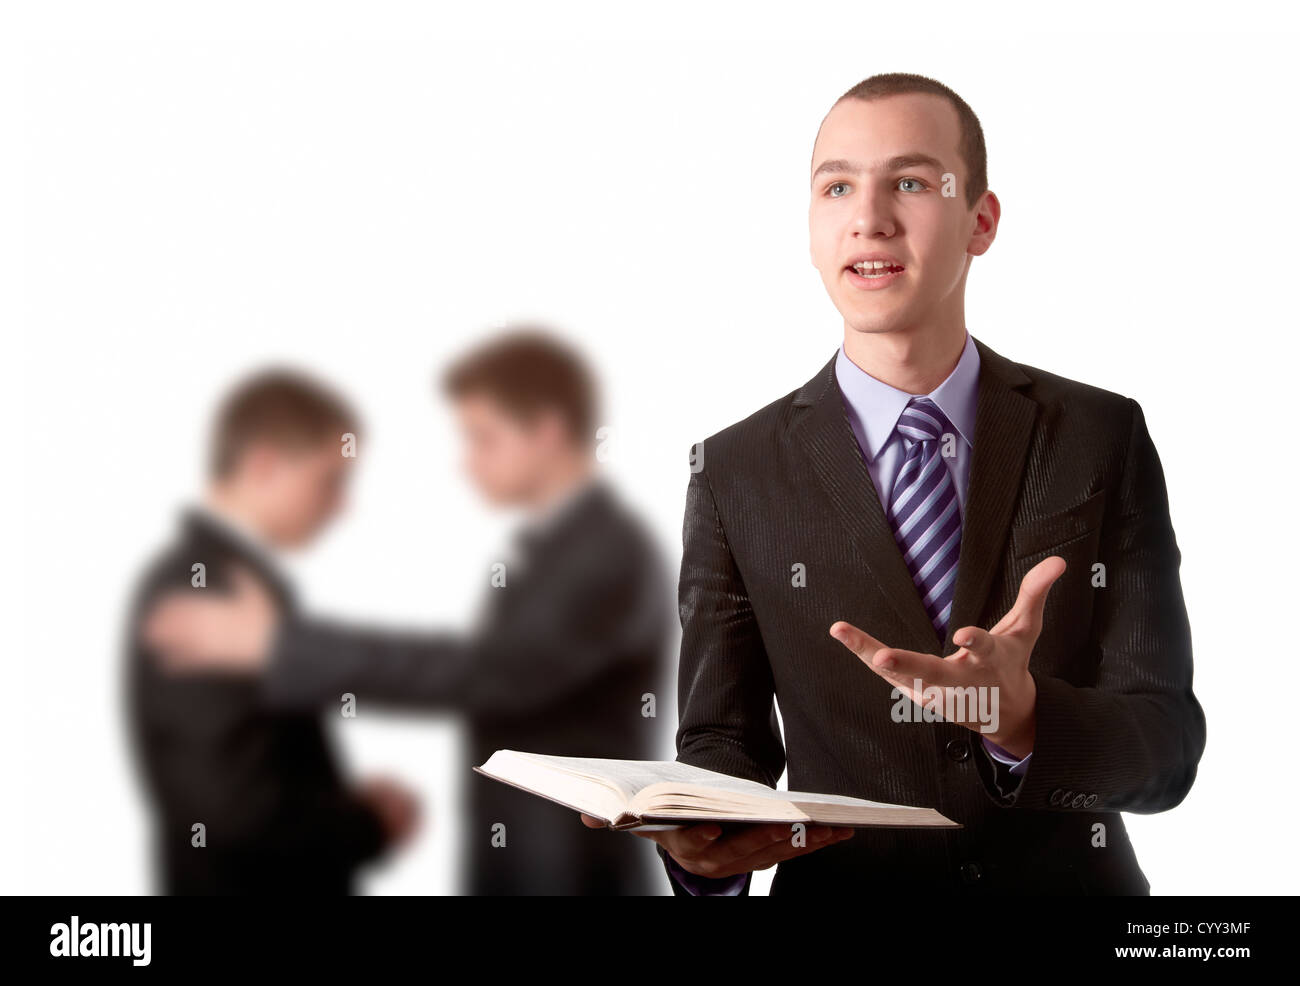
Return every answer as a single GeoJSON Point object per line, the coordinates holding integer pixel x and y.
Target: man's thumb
{"type": "Point", "coordinates": [1034, 587]}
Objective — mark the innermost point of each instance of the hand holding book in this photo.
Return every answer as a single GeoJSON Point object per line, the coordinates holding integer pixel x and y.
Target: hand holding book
{"type": "Point", "coordinates": [692, 812]}
{"type": "Point", "coordinates": [709, 851]}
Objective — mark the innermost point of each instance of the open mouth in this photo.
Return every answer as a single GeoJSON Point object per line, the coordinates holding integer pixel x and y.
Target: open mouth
{"type": "Point", "coordinates": [875, 269]}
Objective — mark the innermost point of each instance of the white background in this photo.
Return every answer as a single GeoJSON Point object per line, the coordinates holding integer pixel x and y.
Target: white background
{"type": "Point", "coordinates": [363, 190]}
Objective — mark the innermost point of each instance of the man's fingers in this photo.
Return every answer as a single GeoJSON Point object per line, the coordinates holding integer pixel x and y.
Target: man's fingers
{"type": "Point", "coordinates": [904, 667]}
{"type": "Point", "coordinates": [163, 633]}
{"type": "Point", "coordinates": [818, 838]}
{"type": "Point", "coordinates": [703, 850]}
{"type": "Point", "coordinates": [179, 632]}
{"type": "Point", "coordinates": [900, 667]}
{"type": "Point", "coordinates": [685, 843]}
{"type": "Point", "coordinates": [175, 613]}
{"type": "Point", "coordinates": [737, 852]}
{"type": "Point", "coordinates": [1027, 613]}
{"type": "Point", "coordinates": [592, 822]}
{"type": "Point", "coordinates": [978, 642]}
{"type": "Point", "coordinates": [750, 840]}
{"type": "Point", "coordinates": [688, 839]}
{"type": "Point", "coordinates": [169, 629]}
{"type": "Point", "coordinates": [858, 641]}
{"type": "Point", "coordinates": [159, 624]}
{"type": "Point", "coordinates": [1025, 617]}
{"type": "Point", "coordinates": [693, 838]}
{"type": "Point", "coordinates": [703, 847]}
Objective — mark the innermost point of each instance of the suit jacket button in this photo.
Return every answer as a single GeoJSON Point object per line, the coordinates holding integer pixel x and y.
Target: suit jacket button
{"type": "Point", "coordinates": [1055, 798]}
{"type": "Point", "coordinates": [958, 750]}
{"type": "Point", "coordinates": [971, 872]}
{"type": "Point", "coordinates": [1089, 801]}
{"type": "Point", "coordinates": [1078, 801]}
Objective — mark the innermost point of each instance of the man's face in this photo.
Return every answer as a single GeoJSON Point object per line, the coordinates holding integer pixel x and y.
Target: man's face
{"type": "Point", "coordinates": [877, 192]}
{"type": "Point", "coordinates": [300, 490]}
{"type": "Point", "coordinates": [503, 456]}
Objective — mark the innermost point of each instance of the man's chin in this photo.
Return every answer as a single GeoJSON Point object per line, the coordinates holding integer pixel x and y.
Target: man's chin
{"type": "Point", "coordinates": [873, 324]}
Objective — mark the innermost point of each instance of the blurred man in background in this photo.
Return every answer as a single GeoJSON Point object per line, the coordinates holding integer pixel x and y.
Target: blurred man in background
{"type": "Point", "coordinates": [246, 799]}
{"type": "Point", "coordinates": [569, 654]}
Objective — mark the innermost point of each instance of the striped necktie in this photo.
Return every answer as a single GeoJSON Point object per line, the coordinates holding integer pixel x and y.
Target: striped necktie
{"type": "Point", "coordinates": [923, 509]}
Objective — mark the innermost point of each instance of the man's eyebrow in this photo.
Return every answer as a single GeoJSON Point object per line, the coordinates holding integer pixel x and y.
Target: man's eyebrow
{"type": "Point", "coordinates": [909, 160]}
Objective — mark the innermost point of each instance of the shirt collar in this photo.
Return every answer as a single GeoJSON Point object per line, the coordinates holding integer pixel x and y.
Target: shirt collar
{"type": "Point", "coordinates": [241, 535]}
{"type": "Point", "coordinates": [550, 517]}
{"type": "Point", "coordinates": [874, 406]}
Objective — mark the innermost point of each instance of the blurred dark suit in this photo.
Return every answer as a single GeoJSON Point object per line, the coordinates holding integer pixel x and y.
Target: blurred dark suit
{"type": "Point", "coordinates": [264, 783]}
{"type": "Point", "coordinates": [1059, 468]}
{"type": "Point", "coordinates": [558, 665]}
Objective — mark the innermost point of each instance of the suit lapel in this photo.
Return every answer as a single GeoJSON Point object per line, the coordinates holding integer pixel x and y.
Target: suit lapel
{"type": "Point", "coordinates": [1004, 424]}
{"type": "Point", "coordinates": [823, 433]}
{"type": "Point", "coordinates": [1004, 427]}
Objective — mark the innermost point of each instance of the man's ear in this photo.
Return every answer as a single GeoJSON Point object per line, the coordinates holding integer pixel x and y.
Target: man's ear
{"type": "Point", "coordinates": [551, 429]}
{"type": "Point", "coordinates": [987, 215]}
{"type": "Point", "coordinates": [259, 460]}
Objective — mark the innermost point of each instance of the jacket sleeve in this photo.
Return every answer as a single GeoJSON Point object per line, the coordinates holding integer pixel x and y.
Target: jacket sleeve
{"type": "Point", "coordinates": [1133, 741]}
{"type": "Point", "coordinates": [726, 696]}
{"type": "Point", "coordinates": [563, 637]}
{"type": "Point", "coordinates": [725, 693]}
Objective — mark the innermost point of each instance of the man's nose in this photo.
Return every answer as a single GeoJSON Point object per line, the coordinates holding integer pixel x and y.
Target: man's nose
{"type": "Point", "coordinates": [875, 212]}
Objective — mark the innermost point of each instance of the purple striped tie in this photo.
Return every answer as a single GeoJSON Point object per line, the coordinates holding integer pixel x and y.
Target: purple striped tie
{"type": "Point", "coordinates": [923, 509]}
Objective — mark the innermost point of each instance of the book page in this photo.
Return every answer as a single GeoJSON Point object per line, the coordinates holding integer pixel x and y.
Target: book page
{"type": "Point", "coordinates": [807, 798]}
{"type": "Point", "coordinates": [629, 777]}
{"type": "Point", "coordinates": [624, 791]}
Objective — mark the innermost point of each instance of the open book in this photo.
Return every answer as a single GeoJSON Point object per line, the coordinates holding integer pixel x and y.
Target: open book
{"type": "Point", "coordinates": [630, 794]}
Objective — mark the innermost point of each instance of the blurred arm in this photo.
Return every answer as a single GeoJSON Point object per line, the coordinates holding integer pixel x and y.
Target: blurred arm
{"type": "Point", "coordinates": [558, 639]}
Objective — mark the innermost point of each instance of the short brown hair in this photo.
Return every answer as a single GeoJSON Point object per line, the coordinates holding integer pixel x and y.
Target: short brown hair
{"type": "Point", "coordinates": [973, 152]}
{"type": "Point", "coordinates": [527, 369]}
{"type": "Point", "coordinates": [280, 406]}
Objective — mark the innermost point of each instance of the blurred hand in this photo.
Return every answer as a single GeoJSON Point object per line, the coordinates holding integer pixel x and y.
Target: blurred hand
{"type": "Point", "coordinates": [205, 630]}
{"type": "Point", "coordinates": [397, 808]}
{"type": "Point", "coordinates": [705, 851]}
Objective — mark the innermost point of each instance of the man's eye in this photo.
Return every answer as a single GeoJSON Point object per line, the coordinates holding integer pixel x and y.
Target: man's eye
{"type": "Point", "coordinates": [918, 185]}
{"type": "Point", "coordinates": [831, 190]}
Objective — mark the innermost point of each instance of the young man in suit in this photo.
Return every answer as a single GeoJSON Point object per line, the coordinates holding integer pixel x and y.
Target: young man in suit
{"type": "Point", "coordinates": [569, 645]}
{"type": "Point", "coordinates": [928, 493]}
{"type": "Point", "coordinates": [248, 800]}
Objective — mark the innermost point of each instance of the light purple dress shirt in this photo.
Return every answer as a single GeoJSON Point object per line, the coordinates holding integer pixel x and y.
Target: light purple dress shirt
{"type": "Point", "coordinates": [873, 409]}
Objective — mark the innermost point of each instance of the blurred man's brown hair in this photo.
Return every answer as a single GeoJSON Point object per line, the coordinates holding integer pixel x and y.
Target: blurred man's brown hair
{"type": "Point", "coordinates": [282, 407]}
{"type": "Point", "coordinates": [528, 370]}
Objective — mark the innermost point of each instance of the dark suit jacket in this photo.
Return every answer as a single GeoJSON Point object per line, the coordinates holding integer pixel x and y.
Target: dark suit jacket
{"type": "Point", "coordinates": [264, 784]}
{"type": "Point", "coordinates": [558, 665]}
{"type": "Point", "coordinates": [1058, 468]}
